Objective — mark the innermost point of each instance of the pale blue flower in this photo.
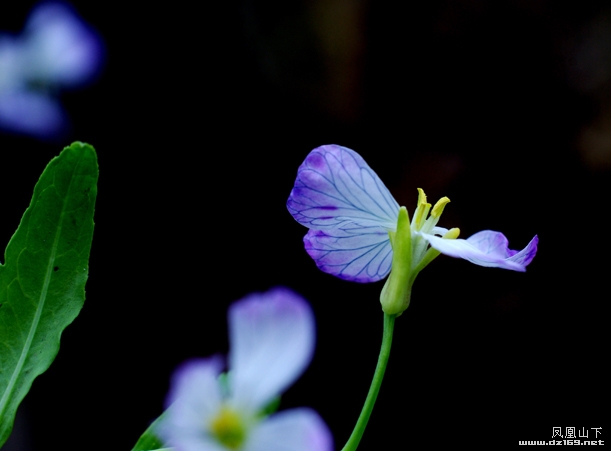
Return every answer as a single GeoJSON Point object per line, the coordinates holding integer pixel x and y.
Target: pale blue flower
{"type": "Point", "coordinates": [56, 51]}
{"type": "Point", "coordinates": [271, 339]}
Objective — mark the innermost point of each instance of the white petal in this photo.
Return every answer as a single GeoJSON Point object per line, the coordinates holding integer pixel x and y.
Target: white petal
{"type": "Point", "coordinates": [439, 231]}
{"type": "Point", "coordinates": [11, 64]}
{"type": "Point", "coordinates": [193, 401]}
{"type": "Point", "coordinates": [271, 342]}
{"type": "Point", "coordinates": [475, 253]}
{"type": "Point", "coordinates": [291, 430]}
{"type": "Point", "coordinates": [195, 444]}
{"type": "Point", "coordinates": [61, 47]}
{"type": "Point", "coordinates": [32, 113]}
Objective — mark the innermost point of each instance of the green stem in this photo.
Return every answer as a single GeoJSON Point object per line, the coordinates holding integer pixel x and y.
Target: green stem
{"type": "Point", "coordinates": [378, 376]}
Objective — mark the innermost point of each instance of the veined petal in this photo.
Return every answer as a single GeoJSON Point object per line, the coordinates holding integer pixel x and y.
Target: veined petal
{"type": "Point", "coordinates": [292, 430]}
{"type": "Point", "coordinates": [358, 254]}
{"type": "Point", "coordinates": [526, 255]}
{"type": "Point", "coordinates": [271, 342]}
{"type": "Point", "coordinates": [335, 186]}
{"type": "Point", "coordinates": [193, 401]}
{"type": "Point", "coordinates": [486, 248]}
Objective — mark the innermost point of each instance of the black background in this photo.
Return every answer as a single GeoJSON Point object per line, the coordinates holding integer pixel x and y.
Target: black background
{"type": "Point", "coordinates": [200, 120]}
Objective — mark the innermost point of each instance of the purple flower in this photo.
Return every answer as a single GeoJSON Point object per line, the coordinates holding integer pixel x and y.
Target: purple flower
{"type": "Point", "coordinates": [57, 50]}
{"type": "Point", "coordinates": [353, 221]}
{"type": "Point", "coordinates": [271, 342]}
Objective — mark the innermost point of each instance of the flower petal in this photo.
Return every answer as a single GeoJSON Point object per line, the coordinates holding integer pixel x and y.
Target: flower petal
{"type": "Point", "coordinates": [526, 255]}
{"type": "Point", "coordinates": [194, 399]}
{"type": "Point", "coordinates": [11, 63]}
{"type": "Point", "coordinates": [61, 47]}
{"type": "Point", "coordinates": [335, 186]}
{"type": "Point", "coordinates": [32, 113]}
{"type": "Point", "coordinates": [486, 248]}
{"type": "Point", "coordinates": [358, 254]}
{"type": "Point", "coordinates": [441, 231]}
{"type": "Point", "coordinates": [291, 430]}
{"type": "Point", "coordinates": [271, 342]}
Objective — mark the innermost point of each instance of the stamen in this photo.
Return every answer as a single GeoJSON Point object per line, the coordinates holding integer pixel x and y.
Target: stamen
{"type": "Point", "coordinates": [421, 197]}
{"type": "Point", "coordinates": [422, 210]}
{"type": "Point", "coordinates": [452, 234]}
{"type": "Point", "coordinates": [435, 215]}
{"type": "Point", "coordinates": [439, 206]}
{"type": "Point", "coordinates": [228, 428]}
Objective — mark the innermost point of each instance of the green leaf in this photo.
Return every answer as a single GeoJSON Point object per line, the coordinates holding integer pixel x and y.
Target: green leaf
{"type": "Point", "coordinates": [42, 283]}
{"type": "Point", "coordinates": [149, 440]}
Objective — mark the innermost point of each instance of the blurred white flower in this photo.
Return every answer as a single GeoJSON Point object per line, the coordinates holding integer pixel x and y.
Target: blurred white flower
{"type": "Point", "coordinates": [56, 51]}
{"type": "Point", "coordinates": [271, 342]}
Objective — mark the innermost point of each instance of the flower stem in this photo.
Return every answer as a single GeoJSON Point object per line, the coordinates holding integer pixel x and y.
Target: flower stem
{"type": "Point", "coordinates": [378, 376]}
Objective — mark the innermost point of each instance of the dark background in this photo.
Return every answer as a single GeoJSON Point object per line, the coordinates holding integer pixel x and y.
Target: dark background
{"type": "Point", "coordinates": [200, 120]}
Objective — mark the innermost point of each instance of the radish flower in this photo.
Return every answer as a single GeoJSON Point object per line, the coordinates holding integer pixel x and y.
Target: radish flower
{"type": "Point", "coordinates": [358, 232]}
{"type": "Point", "coordinates": [271, 337]}
{"type": "Point", "coordinates": [56, 50]}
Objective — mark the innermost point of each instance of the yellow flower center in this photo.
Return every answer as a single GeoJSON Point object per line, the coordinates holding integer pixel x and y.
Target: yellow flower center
{"type": "Point", "coordinates": [228, 428]}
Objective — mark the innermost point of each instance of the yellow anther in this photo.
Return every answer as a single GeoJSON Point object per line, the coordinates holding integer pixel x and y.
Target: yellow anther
{"type": "Point", "coordinates": [452, 234]}
{"type": "Point", "coordinates": [422, 210]}
{"type": "Point", "coordinates": [228, 428]}
{"type": "Point", "coordinates": [421, 197]}
{"type": "Point", "coordinates": [439, 206]}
